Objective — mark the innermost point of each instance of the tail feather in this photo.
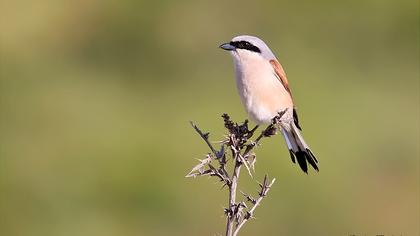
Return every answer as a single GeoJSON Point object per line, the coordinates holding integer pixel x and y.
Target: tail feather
{"type": "Point", "coordinates": [292, 156]}
{"type": "Point", "coordinates": [312, 155]}
{"type": "Point", "coordinates": [299, 149]}
{"type": "Point", "coordinates": [301, 158]}
{"type": "Point", "coordinates": [291, 144]}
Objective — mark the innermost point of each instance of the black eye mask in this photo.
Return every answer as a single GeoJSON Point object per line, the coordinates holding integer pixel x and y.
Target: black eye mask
{"type": "Point", "coordinates": [245, 45]}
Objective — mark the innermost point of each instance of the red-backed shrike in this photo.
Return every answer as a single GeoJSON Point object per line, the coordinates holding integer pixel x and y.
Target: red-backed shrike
{"type": "Point", "coordinates": [264, 91]}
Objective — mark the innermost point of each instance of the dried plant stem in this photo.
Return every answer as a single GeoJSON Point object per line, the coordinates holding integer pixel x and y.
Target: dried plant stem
{"type": "Point", "coordinates": [241, 147]}
{"type": "Point", "coordinates": [251, 211]}
{"type": "Point", "coordinates": [232, 199]}
{"type": "Point", "coordinates": [205, 137]}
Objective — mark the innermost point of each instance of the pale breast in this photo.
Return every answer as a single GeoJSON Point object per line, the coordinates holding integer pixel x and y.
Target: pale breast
{"type": "Point", "coordinates": [261, 92]}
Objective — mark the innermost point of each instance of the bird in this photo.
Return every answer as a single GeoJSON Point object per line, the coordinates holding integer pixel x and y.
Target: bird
{"type": "Point", "coordinates": [265, 92]}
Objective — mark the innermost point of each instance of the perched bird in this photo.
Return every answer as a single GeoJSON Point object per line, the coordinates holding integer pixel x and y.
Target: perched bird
{"type": "Point", "coordinates": [264, 91]}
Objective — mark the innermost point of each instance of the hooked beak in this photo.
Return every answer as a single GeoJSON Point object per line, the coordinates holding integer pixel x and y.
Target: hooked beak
{"type": "Point", "coordinates": [227, 47]}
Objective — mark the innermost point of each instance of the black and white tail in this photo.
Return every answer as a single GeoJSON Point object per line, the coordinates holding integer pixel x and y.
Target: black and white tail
{"type": "Point", "coordinates": [298, 149]}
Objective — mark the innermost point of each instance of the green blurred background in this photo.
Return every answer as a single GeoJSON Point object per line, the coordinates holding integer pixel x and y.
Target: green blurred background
{"type": "Point", "coordinates": [95, 99]}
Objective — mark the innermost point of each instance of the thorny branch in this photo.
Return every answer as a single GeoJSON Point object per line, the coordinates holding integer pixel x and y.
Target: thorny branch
{"type": "Point", "coordinates": [265, 187]}
{"type": "Point", "coordinates": [238, 141]}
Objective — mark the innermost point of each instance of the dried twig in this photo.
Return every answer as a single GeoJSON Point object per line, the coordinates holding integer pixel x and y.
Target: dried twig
{"type": "Point", "coordinates": [265, 187]}
{"type": "Point", "coordinates": [239, 142]}
{"type": "Point", "coordinates": [205, 137]}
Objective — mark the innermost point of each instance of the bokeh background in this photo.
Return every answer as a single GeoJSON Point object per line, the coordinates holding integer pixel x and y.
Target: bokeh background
{"type": "Point", "coordinates": [95, 99]}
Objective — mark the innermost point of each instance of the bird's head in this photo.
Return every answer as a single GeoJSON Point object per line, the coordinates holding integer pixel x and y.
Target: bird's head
{"type": "Point", "coordinates": [248, 46]}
